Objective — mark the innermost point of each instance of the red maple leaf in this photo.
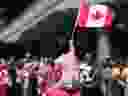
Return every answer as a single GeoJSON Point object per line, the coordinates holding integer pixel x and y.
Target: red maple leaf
{"type": "Point", "coordinates": [97, 15]}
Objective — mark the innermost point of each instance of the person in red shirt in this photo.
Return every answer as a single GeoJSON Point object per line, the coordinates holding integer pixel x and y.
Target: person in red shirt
{"type": "Point", "coordinates": [4, 79]}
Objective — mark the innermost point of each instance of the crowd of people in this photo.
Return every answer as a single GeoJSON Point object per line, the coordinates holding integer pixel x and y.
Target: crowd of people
{"type": "Point", "coordinates": [48, 74]}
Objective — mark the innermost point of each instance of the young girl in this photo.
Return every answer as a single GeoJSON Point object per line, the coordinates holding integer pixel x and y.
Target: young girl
{"type": "Point", "coordinates": [70, 73]}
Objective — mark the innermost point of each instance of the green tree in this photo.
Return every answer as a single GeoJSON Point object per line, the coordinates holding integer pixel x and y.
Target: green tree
{"type": "Point", "coordinates": [98, 1]}
{"type": "Point", "coordinates": [67, 24]}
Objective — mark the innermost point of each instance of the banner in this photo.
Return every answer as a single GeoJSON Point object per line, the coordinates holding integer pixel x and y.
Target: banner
{"type": "Point", "coordinates": [94, 16]}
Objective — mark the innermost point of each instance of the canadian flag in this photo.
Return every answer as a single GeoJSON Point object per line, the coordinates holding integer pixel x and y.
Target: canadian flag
{"type": "Point", "coordinates": [90, 16]}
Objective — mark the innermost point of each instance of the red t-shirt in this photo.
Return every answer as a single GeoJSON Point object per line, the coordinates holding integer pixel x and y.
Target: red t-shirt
{"type": "Point", "coordinates": [62, 92]}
